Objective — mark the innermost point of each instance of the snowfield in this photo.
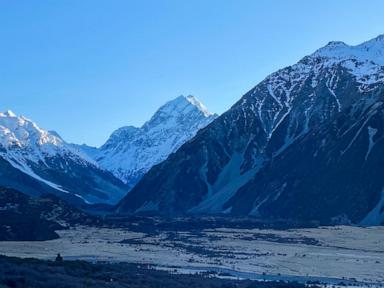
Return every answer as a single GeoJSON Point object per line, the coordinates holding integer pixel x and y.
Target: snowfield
{"type": "Point", "coordinates": [351, 255]}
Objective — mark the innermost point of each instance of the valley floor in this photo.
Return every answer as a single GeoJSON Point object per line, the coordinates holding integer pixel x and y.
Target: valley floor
{"type": "Point", "coordinates": [351, 255]}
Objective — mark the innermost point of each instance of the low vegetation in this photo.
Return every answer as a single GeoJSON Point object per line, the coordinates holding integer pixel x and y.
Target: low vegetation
{"type": "Point", "coordinates": [33, 273]}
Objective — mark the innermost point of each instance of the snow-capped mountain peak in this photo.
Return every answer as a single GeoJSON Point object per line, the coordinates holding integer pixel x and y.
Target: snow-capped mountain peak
{"type": "Point", "coordinates": [194, 101]}
{"type": "Point", "coordinates": [46, 158]}
{"type": "Point", "coordinates": [182, 106]}
{"type": "Point", "coordinates": [183, 101]}
{"type": "Point", "coordinates": [131, 151]}
{"type": "Point", "coordinates": [371, 50]}
{"type": "Point", "coordinates": [7, 113]}
{"type": "Point", "coordinates": [22, 132]}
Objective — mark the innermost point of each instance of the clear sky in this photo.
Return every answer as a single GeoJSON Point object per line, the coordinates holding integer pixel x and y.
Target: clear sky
{"type": "Point", "coordinates": [87, 67]}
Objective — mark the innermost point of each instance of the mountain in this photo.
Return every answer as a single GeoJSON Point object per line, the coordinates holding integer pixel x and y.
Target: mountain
{"type": "Point", "coordinates": [130, 151]}
{"type": "Point", "coordinates": [306, 143]}
{"type": "Point", "coordinates": [35, 161]}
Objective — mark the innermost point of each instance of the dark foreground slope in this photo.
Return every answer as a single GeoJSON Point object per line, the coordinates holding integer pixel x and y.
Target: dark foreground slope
{"type": "Point", "coordinates": [306, 143]}
{"type": "Point", "coordinates": [24, 218]}
{"type": "Point", "coordinates": [32, 273]}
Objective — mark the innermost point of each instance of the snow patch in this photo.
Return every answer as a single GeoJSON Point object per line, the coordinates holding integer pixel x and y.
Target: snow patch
{"type": "Point", "coordinates": [376, 215]}
{"type": "Point", "coordinates": [227, 184]}
{"type": "Point", "coordinates": [371, 133]}
{"type": "Point", "coordinates": [148, 207]}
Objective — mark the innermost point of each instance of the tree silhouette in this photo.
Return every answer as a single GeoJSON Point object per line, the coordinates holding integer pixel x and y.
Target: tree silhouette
{"type": "Point", "coordinates": [59, 258]}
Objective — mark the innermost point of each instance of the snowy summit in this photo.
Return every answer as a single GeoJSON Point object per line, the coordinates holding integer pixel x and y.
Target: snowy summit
{"type": "Point", "coordinates": [131, 151]}
{"type": "Point", "coordinates": [43, 160]}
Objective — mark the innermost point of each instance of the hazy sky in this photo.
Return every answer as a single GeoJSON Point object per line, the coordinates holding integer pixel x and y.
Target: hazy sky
{"type": "Point", "coordinates": [85, 68]}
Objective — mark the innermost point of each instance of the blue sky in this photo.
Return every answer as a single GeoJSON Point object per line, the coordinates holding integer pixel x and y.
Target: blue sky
{"type": "Point", "coordinates": [85, 68]}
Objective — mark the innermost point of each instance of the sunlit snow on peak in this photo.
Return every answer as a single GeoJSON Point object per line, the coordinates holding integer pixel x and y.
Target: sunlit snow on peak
{"type": "Point", "coordinates": [371, 50]}
{"type": "Point", "coordinates": [194, 101]}
{"type": "Point", "coordinates": [7, 113]}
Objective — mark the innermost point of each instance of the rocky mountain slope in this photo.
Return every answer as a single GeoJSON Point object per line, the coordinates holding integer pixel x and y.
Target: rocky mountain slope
{"type": "Point", "coordinates": [306, 143]}
{"type": "Point", "coordinates": [36, 161]}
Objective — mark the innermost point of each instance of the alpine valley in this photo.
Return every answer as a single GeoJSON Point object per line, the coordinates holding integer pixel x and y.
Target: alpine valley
{"type": "Point", "coordinates": [285, 189]}
{"type": "Point", "coordinates": [305, 144]}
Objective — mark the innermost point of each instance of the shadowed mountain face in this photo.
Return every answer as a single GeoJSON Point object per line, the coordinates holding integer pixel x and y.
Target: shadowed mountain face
{"type": "Point", "coordinates": [306, 143]}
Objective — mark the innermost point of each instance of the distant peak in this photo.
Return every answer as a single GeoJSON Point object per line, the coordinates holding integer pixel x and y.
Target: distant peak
{"type": "Point", "coordinates": [183, 104]}
{"type": "Point", "coordinates": [8, 113]}
{"type": "Point", "coordinates": [371, 50]}
{"type": "Point", "coordinates": [194, 101]}
{"type": "Point", "coordinates": [336, 44]}
{"type": "Point", "coordinates": [331, 49]}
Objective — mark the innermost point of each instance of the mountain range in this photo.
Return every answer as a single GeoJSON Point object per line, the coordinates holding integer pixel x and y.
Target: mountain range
{"type": "Point", "coordinates": [306, 143]}
{"type": "Point", "coordinates": [37, 162]}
